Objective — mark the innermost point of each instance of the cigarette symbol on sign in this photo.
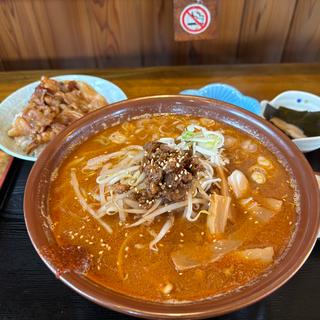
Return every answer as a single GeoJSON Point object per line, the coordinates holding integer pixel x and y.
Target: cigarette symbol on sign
{"type": "Point", "coordinates": [197, 18]}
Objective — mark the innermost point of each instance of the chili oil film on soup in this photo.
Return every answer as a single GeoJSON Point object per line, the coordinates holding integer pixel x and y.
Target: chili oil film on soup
{"type": "Point", "coordinates": [171, 208]}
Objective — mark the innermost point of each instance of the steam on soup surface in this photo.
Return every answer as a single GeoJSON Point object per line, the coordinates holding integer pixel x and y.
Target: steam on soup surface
{"type": "Point", "coordinates": [171, 208]}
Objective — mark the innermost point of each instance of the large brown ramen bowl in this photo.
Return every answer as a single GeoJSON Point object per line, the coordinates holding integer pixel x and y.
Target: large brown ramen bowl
{"type": "Point", "coordinates": [305, 235]}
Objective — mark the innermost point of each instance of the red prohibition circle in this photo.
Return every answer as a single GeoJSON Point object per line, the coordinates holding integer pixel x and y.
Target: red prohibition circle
{"type": "Point", "coordinates": [203, 26]}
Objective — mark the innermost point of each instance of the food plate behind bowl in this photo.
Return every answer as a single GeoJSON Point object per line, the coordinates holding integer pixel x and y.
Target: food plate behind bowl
{"type": "Point", "coordinates": [226, 93]}
{"type": "Point", "coordinates": [16, 102]}
{"type": "Point", "coordinates": [299, 101]}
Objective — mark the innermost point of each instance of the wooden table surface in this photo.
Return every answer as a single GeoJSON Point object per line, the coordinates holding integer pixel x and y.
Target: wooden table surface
{"type": "Point", "coordinates": [28, 290]}
{"type": "Point", "coordinates": [259, 81]}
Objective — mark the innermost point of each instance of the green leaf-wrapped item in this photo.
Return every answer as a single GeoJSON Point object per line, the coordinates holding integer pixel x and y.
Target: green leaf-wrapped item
{"type": "Point", "coordinates": [307, 121]}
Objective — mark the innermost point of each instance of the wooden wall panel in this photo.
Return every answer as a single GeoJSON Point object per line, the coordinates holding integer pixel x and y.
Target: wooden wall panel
{"type": "Point", "coordinates": [44, 34]}
{"type": "Point", "coordinates": [69, 35]}
{"type": "Point", "coordinates": [303, 43]}
{"type": "Point", "coordinates": [115, 29]}
{"type": "Point", "coordinates": [157, 32]}
{"type": "Point", "coordinates": [19, 49]}
{"type": "Point", "coordinates": [264, 30]}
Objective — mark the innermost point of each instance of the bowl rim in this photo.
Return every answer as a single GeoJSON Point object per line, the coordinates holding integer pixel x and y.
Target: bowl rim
{"type": "Point", "coordinates": [198, 309]}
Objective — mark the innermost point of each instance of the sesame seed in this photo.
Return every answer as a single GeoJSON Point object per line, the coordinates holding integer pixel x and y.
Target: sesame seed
{"type": "Point", "coordinates": [181, 234]}
{"type": "Point", "coordinates": [90, 242]}
{"type": "Point", "coordinates": [202, 233]}
{"type": "Point", "coordinates": [126, 249]}
{"type": "Point", "coordinates": [81, 236]}
{"type": "Point", "coordinates": [101, 252]}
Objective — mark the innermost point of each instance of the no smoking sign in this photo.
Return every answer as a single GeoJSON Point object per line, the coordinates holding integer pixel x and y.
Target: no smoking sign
{"type": "Point", "coordinates": [194, 20]}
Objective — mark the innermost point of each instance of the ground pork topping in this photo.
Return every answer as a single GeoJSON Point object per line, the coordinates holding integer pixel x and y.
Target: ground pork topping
{"type": "Point", "coordinates": [169, 173]}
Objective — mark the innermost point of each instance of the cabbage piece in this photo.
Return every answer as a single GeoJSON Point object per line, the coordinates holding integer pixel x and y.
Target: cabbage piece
{"type": "Point", "coordinates": [218, 213]}
{"type": "Point", "coordinates": [259, 213]}
{"type": "Point", "coordinates": [191, 256]}
{"type": "Point", "coordinates": [272, 204]}
{"type": "Point", "coordinates": [263, 254]}
{"type": "Point", "coordinates": [239, 184]}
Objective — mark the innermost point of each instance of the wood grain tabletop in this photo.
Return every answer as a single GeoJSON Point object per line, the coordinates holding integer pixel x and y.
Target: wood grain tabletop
{"type": "Point", "coordinates": [28, 290]}
{"type": "Point", "coordinates": [262, 81]}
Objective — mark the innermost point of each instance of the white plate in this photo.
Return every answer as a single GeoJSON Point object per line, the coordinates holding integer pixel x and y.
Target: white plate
{"type": "Point", "coordinates": [300, 101]}
{"type": "Point", "coordinates": [15, 103]}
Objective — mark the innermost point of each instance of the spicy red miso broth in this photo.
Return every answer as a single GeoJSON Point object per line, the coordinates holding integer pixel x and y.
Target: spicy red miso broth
{"type": "Point", "coordinates": [171, 208]}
